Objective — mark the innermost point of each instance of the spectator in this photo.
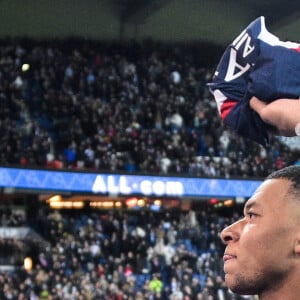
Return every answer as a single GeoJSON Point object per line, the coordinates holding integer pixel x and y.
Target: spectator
{"type": "Point", "coordinates": [156, 285]}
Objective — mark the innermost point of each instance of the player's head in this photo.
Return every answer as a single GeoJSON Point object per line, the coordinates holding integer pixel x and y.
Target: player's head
{"type": "Point", "coordinates": [263, 248]}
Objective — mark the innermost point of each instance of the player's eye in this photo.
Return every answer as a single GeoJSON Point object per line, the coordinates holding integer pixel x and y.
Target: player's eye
{"type": "Point", "coordinates": [251, 215]}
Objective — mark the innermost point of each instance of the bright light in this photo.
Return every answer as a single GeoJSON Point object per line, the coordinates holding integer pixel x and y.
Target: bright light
{"type": "Point", "coordinates": [66, 204]}
{"type": "Point", "coordinates": [130, 202]}
{"type": "Point", "coordinates": [78, 204]}
{"type": "Point", "coordinates": [228, 203]}
{"type": "Point", "coordinates": [28, 263]}
{"type": "Point", "coordinates": [55, 198]}
{"type": "Point", "coordinates": [106, 204]}
{"type": "Point", "coordinates": [213, 201]}
{"type": "Point", "coordinates": [141, 202]}
{"type": "Point", "coordinates": [157, 202]}
{"type": "Point", "coordinates": [25, 67]}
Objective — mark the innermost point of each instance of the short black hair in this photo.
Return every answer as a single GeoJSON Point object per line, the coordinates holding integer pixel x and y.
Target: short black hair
{"type": "Point", "coordinates": [291, 173]}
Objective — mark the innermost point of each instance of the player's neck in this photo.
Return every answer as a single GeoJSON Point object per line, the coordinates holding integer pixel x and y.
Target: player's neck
{"type": "Point", "coordinates": [288, 291]}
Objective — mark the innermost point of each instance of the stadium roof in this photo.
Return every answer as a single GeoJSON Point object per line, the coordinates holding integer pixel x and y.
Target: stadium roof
{"type": "Point", "coordinates": [166, 20]}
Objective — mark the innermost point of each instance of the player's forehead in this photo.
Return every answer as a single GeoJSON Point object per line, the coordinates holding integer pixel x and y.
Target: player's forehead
{"type": "Point", "coordinates": [271, 192]}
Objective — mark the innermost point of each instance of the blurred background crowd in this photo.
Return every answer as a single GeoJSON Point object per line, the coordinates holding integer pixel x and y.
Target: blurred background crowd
{"type": "Point", "coordinates": [170, 255]}
{"type": "Point", "coordinates": [135, 107]}
{"type": "Point", "coordinates": [145, 108]}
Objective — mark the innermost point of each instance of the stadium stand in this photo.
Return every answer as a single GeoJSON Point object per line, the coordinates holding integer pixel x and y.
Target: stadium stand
{"type": "Point", "coordinates": [122, 255]}
{"type": "Point", "coordinates": [133, 108]}
{"type": "Point", "coordinates": [85, 105]}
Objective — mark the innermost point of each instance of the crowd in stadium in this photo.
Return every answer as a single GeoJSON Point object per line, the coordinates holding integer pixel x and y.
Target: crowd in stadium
{"type": "Point", "coordinates": [125, 108]}
{"type": "Point", "coordinates": [86, 105]}
{"type": "Point", "coordinates": [171, 255]}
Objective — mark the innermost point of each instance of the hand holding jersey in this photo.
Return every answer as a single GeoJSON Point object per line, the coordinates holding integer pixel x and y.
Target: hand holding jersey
{"type": "Point", "coordinates": [258, 64]}
{"type": "Point", "coordinates": [282, 113]}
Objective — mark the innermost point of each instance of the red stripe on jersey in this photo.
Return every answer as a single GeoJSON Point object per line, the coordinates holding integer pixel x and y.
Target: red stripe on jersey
{"type": "Point", "coordinates": [296, 49]}
{"type": "Point", "coordinates": [226, 107]}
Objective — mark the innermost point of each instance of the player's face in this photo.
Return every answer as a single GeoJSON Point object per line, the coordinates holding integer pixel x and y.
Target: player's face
{"type": "Point", "coordinates": [260, 245]}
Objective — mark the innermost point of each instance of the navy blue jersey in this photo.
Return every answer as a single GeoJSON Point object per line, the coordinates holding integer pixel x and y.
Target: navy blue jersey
{"type": "Point", "coordinates": [257, 64]}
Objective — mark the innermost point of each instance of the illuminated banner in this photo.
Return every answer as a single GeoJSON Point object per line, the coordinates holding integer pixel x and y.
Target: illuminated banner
{"type": "Point", "coordinates": [121, 184]}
